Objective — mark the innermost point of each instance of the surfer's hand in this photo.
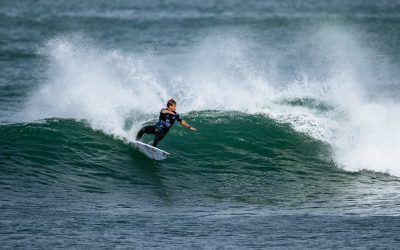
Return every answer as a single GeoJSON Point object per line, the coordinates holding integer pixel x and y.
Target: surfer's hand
{"type": "Point", "coordinates": [193, 129]}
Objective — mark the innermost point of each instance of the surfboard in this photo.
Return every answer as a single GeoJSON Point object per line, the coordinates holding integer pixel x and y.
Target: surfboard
{"type": "Point", "coordinates": [150, 151]}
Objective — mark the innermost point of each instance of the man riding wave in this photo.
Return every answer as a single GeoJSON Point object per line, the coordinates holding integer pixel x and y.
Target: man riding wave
{"type": "Point", "coordinates": [167, 118]}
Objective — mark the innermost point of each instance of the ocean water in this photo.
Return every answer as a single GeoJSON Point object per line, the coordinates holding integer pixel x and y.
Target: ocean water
{"type": "Point", "coordinates": [296, 105]}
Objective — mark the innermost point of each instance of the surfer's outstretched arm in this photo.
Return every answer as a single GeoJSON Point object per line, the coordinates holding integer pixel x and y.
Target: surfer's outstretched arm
{"type": "Point", "coordinates": [184, 123]}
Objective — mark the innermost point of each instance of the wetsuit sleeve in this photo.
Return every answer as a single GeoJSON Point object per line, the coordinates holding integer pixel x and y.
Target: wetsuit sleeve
{"type": "Point", "coordinates": [178, 118]}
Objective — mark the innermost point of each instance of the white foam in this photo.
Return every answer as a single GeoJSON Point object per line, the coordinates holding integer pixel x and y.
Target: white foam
{"type": "Point", "coordinates": [104, 87]}
{"type": "Point", "coordinates": [118, 91]}
{"type": "Point", "coordinates": [370, 138]}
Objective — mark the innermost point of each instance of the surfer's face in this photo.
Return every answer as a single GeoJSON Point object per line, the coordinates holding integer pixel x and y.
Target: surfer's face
{"type": "Point", "coordinates": [172, 107]}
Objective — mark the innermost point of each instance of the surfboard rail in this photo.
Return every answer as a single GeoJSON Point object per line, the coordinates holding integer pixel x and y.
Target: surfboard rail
{"type": "Point", "coordinates": [150, 151]}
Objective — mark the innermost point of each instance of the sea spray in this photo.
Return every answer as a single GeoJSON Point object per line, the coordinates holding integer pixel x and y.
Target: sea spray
{"type": "Point", "coordinates": [102, 87]}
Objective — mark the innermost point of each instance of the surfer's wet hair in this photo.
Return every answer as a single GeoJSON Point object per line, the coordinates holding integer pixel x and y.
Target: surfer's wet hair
{"type": "Point", "coordinates": [171, 102]}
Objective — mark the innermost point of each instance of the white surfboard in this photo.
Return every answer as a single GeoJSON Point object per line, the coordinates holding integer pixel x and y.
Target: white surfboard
{"type": "Point", "coordinates": [150, 151]}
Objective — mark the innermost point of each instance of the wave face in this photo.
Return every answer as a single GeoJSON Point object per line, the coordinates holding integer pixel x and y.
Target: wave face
{"type": "Point", "coordinates": [237, 158]}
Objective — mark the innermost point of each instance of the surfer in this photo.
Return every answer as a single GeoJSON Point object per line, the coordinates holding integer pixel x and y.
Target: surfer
{"type": "Point", "coordinates": [167, 118]}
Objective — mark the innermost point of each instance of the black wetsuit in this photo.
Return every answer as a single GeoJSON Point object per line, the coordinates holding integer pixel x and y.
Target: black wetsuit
{"type": "Point", "coordinates": [161, 128]}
